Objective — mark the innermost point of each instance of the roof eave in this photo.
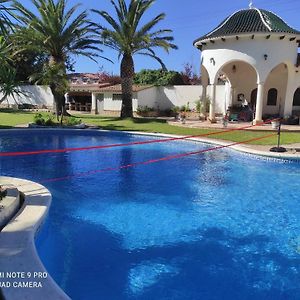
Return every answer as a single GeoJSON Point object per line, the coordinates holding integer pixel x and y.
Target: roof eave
{"type": "Point", "coordinates": [198, 43]}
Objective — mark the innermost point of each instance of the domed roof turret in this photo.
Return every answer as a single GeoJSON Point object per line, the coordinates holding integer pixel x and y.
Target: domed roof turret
{"type": "Point", "coordinates": [250, 21]}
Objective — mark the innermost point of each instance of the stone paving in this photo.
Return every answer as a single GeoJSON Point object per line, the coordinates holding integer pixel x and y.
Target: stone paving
{"type": "Point", "coordinates": [291, 148]}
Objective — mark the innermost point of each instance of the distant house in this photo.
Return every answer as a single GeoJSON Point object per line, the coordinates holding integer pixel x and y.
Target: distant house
{"type": "Point", "coordinates": [88, 94]}
{"type": "Point", "coordinates": [104, 98]}
{"type": "Point", "coordinates": [79, 98]}
{"type": "Point", "coordinates": [84, 78]}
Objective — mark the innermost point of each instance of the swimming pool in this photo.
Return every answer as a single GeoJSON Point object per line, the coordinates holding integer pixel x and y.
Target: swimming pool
{"type": "Point", "coordinates": [220, 225]}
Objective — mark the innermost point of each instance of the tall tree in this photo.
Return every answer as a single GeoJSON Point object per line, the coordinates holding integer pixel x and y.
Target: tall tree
{"type": "Point", "coordinates": [5, 17]}
{"type": "Point", "coordinates": [127, 35]}
{"type": "Point", "coordinates": [57, 32]}
{"type": "Point", "coordinates": [9, 85]}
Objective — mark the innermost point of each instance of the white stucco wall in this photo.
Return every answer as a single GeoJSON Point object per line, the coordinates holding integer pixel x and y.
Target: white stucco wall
{"type": "Point", "coordinates": [258, 61]}
{"type": "Point", "coordinates": [148, 97]}
{"type": "Point", "coordinates": [166, 97]}
{"type": "Point", "coordinates": [278, 80]}
{"type": "Point", "coordinates": [293, 84]}
{"type": "Point", "coordinates": [295, 87]}
{"type": "Point", "coordinates": [218, 54]}
{"type": "Point", "coordinates": [115, 105]}
{"type": "Point", "coordinates": [34, 94]}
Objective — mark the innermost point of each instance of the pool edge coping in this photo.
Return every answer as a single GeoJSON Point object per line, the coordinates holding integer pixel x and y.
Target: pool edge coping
{"type": "Point", "coordinates": [219, 142]}
{"type": "Point", "coordinates": [17, 244]}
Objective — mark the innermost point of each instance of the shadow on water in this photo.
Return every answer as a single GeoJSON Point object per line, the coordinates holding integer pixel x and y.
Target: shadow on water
{"type": "Point", "coordinates": [217, 266]}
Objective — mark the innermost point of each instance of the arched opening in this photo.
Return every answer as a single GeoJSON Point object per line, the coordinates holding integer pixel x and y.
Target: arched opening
{"type": "Point", "coordinates": [296, 99]}
{"type": "Point", "coordinates": [204, 76]}
{"type": "Point", "coordinates": [272, 97]}
{"type": "Point", "coordinates": [275, 91]}
{"type": "Point", "coordinates": [243, 79]}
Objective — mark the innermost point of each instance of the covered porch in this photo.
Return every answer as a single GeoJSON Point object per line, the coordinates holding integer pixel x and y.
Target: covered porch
{"type": "Point", "coordinates": [252, 96]}
{"type": "Point", "coordinates": [79, 101]}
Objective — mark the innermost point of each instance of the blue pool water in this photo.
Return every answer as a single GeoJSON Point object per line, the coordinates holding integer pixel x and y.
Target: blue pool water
{"type": "Point", "coordinates": [220, 225]}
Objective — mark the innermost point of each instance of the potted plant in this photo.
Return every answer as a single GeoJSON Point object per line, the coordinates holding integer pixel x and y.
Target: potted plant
{"type": "Point", "coordinates": [183, 117]}
{"type": "Point", "coordinates": [275, 123]}
{"type": "Point", "coordinates": [175, 110]}
{"type": "Point", "coordinates": [225, 120]}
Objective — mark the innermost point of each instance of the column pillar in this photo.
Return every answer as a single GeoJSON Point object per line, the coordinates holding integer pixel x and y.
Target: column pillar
{"type": "Point", "coordinates": [203, 100]}
{"type": "Point", "coordinates": [289, 96]}
{"type": "Point", "coordinates": [259, 103]}
{"type": "Point", "coordinates": [94, 104]}
{"type": "Point", "coordinates": [212, 105]}
{"type": "Point", "coordinates": [232, 95]}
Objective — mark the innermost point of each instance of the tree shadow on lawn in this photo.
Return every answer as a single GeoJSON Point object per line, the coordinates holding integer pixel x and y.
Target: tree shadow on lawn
{"type": "Point", "coordinates": [146, 121]}
{"type": "Point", "coordinates": [118, 119]}
{"type": "Point", "coordinates": [16, 111]}
{"type": "Point", "coordinates": [122, 128]}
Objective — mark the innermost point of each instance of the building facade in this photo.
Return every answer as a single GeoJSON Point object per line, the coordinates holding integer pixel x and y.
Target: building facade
{"type": "Point", "coordinates": [257, 53]}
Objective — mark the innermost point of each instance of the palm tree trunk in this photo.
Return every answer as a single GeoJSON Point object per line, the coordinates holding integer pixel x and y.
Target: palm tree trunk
{"type": "Point", "coordinates": [127, 73]}
{"type": "Point", "coordinates": [59, 98]}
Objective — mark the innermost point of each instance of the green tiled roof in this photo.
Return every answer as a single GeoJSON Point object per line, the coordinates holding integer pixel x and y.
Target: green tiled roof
{"type": "Point", "coordinates": [250, 21]}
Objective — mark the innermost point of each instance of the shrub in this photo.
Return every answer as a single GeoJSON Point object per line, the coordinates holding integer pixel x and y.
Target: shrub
{"type": "Point", "coordinates": [158, 77]}
{"type": "Point", "coordinates": [168, 113]}
{"type": "Point", "coordinates": [199, 106]}
{"type": "Point", "coordinates": [71, 121]}
{"type": "Point", "coordinates": [185, 108]}
{"type": "Point", "coordinates": [39, 119]}
{"type": "Point", "coordinates": [49, 120]}
{"type": "Point", "coordinates": [175, 109]}
{"type": "Point", "coordinates": [144, 109]}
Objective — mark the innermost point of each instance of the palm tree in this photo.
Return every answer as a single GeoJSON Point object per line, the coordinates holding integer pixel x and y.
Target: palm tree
{"type": "Point", "coordinates": [128, 36]}
{"type": "Point", "coordinates": [57, 32]}
{"type": "Point", "coordinates": [53, 75]}
{"type": "Point", "coordinates": [5, 14]}
{"type": "Point", "coordinates": [9, 85]}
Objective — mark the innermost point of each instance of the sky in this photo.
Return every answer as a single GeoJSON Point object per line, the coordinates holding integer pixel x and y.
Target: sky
{"type": "Point", "coordinates": [189, 19]}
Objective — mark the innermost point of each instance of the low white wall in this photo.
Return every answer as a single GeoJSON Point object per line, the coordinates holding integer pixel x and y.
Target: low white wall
{"type": "Point", "coordinates": [115, 105]}
{"type": "Point", "coordinates": [179, 95]}
{"type": "Point", "coordinates": [34, 94]}
{"type": "Point", "coordinates": [148, 97]}
{"type": "Point", "coordinates": [166, 97]}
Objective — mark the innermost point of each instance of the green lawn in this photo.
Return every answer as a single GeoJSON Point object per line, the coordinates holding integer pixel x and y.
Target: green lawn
{"type": "Point", "coordinates": [160, 126]}
{"type": "Point", "coordinates": [9, 119]}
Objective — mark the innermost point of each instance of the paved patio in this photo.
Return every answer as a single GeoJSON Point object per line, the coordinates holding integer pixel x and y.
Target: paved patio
{"type": "Point", "coordinates": [291, 148]}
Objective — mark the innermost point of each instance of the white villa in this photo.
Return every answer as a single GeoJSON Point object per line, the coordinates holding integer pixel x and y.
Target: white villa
{"type": "Point", "coordinates": [253, 50]}
{"type": "Point", "coordinates": [257, 53]}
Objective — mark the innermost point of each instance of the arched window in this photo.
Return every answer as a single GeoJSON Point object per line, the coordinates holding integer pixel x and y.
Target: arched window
{"type": "Point", "coordinates": [296, 101]}
{"type": "Point", "coordinates": [272, 97]}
